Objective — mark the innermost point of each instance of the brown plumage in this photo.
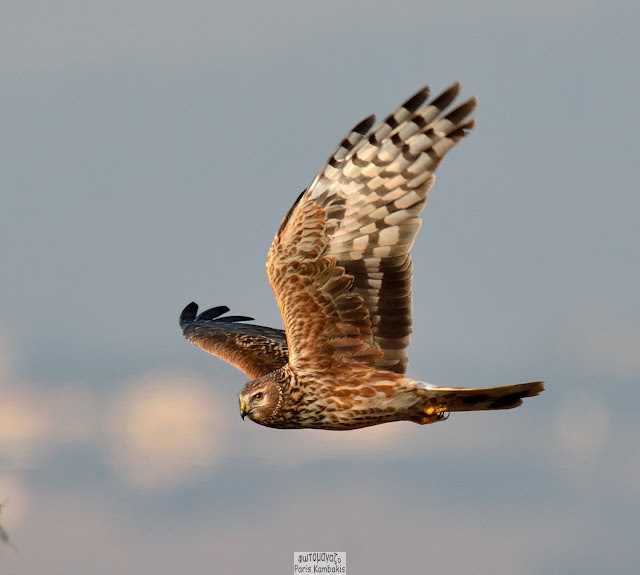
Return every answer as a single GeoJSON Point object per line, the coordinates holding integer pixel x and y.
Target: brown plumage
{"type": "Point", "coordinates": [254, 349]}
{"type": "Point", "coordinates": [340, 270]}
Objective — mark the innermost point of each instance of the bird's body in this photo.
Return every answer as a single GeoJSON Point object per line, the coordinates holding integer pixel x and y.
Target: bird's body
{"type": "Point", "coordinates": [350, 397]}
{"type": "Point", "coordinates": [369, 396]}
{"type": "Point", "coordinates": [340, 270]}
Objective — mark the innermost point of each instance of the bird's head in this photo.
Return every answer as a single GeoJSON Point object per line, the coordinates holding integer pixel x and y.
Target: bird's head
{"type": "Point", "coordinates": [261, 399]}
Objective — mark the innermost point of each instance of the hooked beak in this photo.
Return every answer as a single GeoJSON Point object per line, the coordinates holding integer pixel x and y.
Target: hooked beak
{"type": "Point", "coordinates": [243, 409]}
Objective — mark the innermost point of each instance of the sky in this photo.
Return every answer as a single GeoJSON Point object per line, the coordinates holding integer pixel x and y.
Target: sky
{"type": "Point", "coordinates": [149, 152]}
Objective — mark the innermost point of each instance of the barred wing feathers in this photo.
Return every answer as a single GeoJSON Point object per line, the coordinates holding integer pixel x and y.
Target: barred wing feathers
{"type": "Point", "coordinates": [339, 265]}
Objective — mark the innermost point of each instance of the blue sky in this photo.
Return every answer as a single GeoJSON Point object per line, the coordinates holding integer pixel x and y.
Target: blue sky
{"type": "Point", "coordinates": [149, 153]}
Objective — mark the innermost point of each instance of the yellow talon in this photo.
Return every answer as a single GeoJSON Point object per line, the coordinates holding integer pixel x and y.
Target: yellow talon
{"type": "Point", "coordinates": [436, 409]}
{"type": "Point", "coordinates": [432, 414]}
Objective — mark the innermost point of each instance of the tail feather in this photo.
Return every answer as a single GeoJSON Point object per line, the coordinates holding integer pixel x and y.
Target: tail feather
{"type": "Point", "coordinates": [481, 398]}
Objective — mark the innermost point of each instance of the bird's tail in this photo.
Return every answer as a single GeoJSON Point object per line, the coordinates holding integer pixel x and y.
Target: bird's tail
{"type": "Point", "coordinates": [437, 401]}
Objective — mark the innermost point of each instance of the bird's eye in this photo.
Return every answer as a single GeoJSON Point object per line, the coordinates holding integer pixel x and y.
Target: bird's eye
{"type": "Point", "coordinates": [257, 396]}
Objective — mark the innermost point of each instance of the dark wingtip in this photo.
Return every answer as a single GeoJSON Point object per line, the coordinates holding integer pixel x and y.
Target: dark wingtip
{"type": "Point", "coordinates": [462, 111]}
{"type": "Point", "coordinates": [442, 100]}
{"type": "Point", "coordinates": [235, 318]}
{"type": "Point", "coordinates": [462, 130]}
{"type": "Point", "coordinates": [213, 312]}
{"type": "Point", "coordinates": [188, 314]}
{"type": "Point", "coordinates": [364, 126]}
{"type": "Point", "coordinates": [413, 103]}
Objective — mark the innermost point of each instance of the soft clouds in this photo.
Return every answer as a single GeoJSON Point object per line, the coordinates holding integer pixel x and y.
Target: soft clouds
{"type": "Point", "coordinates": [164, 429]}
{"type": "Point", "coordinates": [38, 418]}
{"type": "Point", "coordinates": [25, 427]}
{"type": "Point", "coordinates": [383, 527]}
{"type": "Point", "coordinates": [161, 428]}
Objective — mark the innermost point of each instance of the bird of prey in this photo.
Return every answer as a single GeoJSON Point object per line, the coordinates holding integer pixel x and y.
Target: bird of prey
{"type": "Point", "coordinates": [340, 270]}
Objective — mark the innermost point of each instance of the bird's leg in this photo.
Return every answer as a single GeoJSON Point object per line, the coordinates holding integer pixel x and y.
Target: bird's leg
{"type": "Point", "coordinates": [432, 414]}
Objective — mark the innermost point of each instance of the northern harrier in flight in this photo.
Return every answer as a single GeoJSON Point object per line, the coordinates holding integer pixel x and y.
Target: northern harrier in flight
{"type": "Point", "coordinates": [340, 271]}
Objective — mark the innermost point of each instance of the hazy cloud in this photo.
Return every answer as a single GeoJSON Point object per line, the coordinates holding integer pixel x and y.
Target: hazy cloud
{"type": "Point", "coordinates": [164, 429]}
{"type": "Point", "coordinates": [381, 527]}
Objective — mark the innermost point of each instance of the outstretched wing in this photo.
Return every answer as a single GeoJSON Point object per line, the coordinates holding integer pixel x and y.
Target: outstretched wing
{"type": "Point", "coordinates": [254, 349]}
{"type": "Point", "coordinates": [339, 265]}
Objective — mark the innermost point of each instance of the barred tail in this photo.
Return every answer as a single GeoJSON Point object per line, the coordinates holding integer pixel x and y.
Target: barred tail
{"type": "Point", "coordinates": [480, 398]}
{"type": "Point", "coordinates": [437, 402]}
